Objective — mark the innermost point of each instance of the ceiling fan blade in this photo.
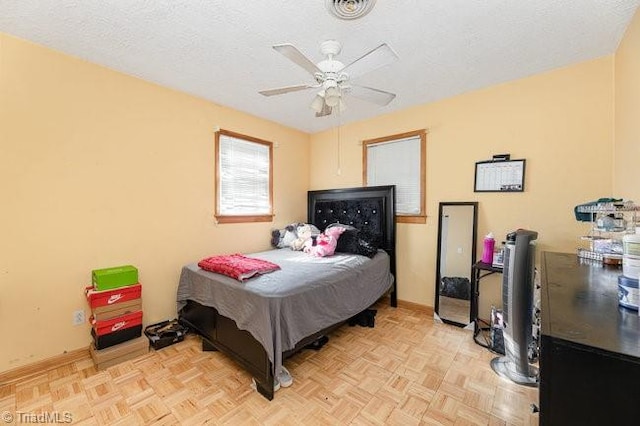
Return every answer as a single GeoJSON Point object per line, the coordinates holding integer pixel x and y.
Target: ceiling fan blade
{"type": "Point", "coordinates": [294, 55]}
{"type": "Point", "coordinates": [288, 89]}
{"type": "Point", "coordinates": [372, 60]}
{"type": "Point", "coordinates": [370, 94]}
{"type": "Point", "coordinates": [326, 110]}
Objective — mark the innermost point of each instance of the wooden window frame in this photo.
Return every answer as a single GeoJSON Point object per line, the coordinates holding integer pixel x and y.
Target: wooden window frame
{"type": "Point", "coordinates": [242, 218]}
{"type": "Point", "coordinates": [404, 218]}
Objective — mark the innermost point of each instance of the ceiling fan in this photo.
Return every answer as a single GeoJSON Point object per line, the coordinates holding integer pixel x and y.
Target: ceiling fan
{"type": "Point", "coordinates": [333, 78]}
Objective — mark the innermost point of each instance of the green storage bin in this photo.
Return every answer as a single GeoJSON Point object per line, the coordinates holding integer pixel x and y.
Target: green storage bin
{"type": "Point", "coordinates": [118, 276]}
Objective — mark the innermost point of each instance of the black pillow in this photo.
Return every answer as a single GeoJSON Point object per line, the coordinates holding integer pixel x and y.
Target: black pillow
{"type": "Point", "coordinates": [357, 241]}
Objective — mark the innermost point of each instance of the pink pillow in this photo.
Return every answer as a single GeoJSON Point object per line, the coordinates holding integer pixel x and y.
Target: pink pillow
{"type": "Point", "coordinates": [325, 242]}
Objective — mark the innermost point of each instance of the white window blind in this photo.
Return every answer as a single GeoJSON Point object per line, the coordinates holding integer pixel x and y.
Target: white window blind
{"type": "Point", "coordinates": [243, 185]}
{"type": "Point", "coordinates": [397, 162]}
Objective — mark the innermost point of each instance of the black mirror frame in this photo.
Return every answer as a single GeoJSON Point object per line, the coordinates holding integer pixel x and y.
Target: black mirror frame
{"type": "Point", "coordinates": [474, 241]}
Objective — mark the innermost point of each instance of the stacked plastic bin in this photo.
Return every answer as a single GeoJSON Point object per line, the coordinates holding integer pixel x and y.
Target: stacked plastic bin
{"type": "Point", "coordinates": [115, 300]}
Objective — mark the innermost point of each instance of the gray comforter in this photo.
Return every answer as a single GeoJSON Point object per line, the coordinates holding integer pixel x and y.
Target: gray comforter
{"type": "Point", "coordinates": [307, 295]}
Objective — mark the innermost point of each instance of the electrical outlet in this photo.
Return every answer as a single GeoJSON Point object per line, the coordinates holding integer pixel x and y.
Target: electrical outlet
{"type": "Point", "coordinates": [78, 317]}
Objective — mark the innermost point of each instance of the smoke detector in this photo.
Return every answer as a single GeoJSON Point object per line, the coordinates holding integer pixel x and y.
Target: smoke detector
{"type": "Point", "coordinates": [350, 9]}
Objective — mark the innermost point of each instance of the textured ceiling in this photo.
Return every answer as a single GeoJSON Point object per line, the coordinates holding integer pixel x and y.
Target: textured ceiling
{"type": "Point", "coordinates": [221, 50]}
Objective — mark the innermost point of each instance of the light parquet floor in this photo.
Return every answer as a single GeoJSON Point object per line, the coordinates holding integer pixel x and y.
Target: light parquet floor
{"type": "Point", "coordinates": [408, 370]}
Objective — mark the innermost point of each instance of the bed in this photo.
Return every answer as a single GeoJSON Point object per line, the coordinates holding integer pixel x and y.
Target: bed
{"type": "Point", "coordinates": [260, 322]}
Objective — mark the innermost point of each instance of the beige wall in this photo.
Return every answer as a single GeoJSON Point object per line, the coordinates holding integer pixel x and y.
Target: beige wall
{"type": "Point", "coordinates": [561, 122]}
{"type": "Point", "coordinates": [627, 123]}
{"type": "Point", "coordinates": [100, 169]}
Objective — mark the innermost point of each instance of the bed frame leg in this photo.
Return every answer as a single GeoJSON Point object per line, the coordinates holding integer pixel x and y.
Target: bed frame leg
{"type": "Point", "coordinates": [207, 346]}
{"type": "Point", "coordinates": [394, 299]}
{"type": "Point", "coordinates": [264, 390]}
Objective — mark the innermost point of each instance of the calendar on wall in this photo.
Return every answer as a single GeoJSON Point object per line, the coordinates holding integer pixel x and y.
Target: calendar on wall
{"type": "Point", "coordinates": [499, 176]}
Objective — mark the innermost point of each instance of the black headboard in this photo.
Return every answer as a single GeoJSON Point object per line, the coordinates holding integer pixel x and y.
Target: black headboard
{"type": "Point", "coordinates": [371, 208]}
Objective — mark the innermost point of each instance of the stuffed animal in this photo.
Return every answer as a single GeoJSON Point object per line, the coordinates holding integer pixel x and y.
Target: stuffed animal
{"type": "Point", "coordinates": [276, 238]}
{"type": "Point", "coordinates": [305, 232]}
{"type": "Point", "coordinates": [293, 235]}
{"type": "Point", "coordinates": [325, 244]}
{"type": "Point", "coordinates": [281, 238]}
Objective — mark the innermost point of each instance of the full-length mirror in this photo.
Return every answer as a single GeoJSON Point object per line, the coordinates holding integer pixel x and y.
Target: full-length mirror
{"type": "Point", "coordinates": [456, 256]}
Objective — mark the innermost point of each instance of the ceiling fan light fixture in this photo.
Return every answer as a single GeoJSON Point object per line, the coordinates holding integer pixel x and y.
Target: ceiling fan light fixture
{"type": "Point", "coordinates": [349, 9]}
{"type": "Point", "coordinates": [317, 104]}
{"type": "Point", "coordinates": [332, 96]}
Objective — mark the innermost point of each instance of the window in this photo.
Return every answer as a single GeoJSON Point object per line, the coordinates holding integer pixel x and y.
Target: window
{"type": "Point", "coordinates": [399, 160]}
{"type": "Point", "coordinates": [244, 171]}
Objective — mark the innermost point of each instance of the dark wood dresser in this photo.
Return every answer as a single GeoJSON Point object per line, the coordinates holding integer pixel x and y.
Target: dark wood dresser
{"type": "Point", "coordinates": [589, 346]}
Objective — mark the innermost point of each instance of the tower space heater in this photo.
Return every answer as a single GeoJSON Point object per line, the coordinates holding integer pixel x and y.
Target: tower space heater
{"type": "Point", "coordinates": [517, 308]}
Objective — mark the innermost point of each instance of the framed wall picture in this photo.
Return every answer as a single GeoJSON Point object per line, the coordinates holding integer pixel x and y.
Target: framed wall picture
{"type": "Point", "coordinates": [499, 176]}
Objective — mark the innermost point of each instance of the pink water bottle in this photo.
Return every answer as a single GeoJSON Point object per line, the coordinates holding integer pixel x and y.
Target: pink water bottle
{"type": "Point", "coordinates": [487, 252]}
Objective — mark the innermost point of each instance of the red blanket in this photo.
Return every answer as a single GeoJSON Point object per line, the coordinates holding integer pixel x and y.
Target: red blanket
{"type": "Point", "coordinates": [237, 266]}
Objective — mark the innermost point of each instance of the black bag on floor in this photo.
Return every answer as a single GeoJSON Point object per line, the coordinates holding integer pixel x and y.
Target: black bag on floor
{"type": "Point", "coordinates": [165, 333]}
